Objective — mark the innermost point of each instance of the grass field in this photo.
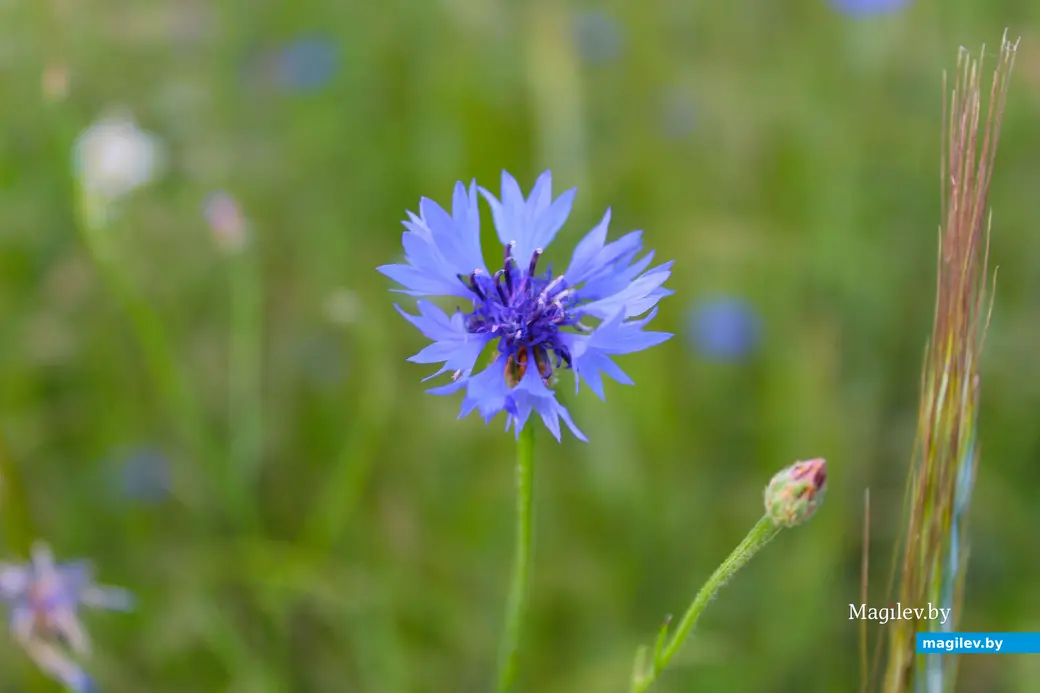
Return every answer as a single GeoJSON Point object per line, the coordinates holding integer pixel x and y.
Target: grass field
{"type": "Point", "coordinates": [237, 438]}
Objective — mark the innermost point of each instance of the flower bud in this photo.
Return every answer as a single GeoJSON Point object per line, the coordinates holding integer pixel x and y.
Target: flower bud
{"type": "Point", "coordinates": [794, 494]}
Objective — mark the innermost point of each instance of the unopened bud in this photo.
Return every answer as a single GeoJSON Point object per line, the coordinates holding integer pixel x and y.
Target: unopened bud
{"type": "Point", "coordinates": [794, 494]}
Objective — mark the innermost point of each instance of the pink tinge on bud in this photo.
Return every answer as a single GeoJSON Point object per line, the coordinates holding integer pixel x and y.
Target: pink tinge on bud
{"type": "Point", "coordinates": [225, 221]}
{"type": "Point", "coordinates": [794, 493]}
{"type": "Point", "coordinates": [814, 470]}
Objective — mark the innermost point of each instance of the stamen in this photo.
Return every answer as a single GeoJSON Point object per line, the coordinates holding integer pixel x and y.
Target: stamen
{"type": "Point", "coordinates": [566, 356]}
{"type": "Point", "coordinates": [473, 284]}
{"type": "Point", "coordinates": [534, 261]}
{"type": "Point", "coordinates": [549, 289]}
{"type": "Point", "coordinates": [509, 279]}
{"type": "Point", "coordinates": [563, 296]}
{"type": "Point", "coordinates": [498, 286]}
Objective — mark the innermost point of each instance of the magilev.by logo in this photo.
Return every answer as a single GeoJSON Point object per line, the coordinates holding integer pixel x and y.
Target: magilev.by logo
{"type": "Point", "coordinates": [896, 612]}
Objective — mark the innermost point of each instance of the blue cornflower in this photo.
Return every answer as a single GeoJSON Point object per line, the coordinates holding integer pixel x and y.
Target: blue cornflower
{"type": "Point", "coordinates": [146, 474]}
{"type": "Point", "coordinates": [44, 598]}
{"type": "Point", "coordinates": [306, 64]}
{"type": "Point", "coordinates": [537, 317]}
{"type": "Point", "coordinates": [868, 7]}
{"type": "Point", "coordinates": [598, 36]}
{"type": "Point", "coordinates": [724, 328]}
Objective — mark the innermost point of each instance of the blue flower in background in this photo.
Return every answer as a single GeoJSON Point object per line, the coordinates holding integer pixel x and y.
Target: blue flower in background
{"type": "Point", "coordinates": [44, 599]}
{"type": "Point", "coordinates": [868, 7]}
{"type": "Point", "coordinates": [535, 316]}
{"type": "Point", "coordinates": [724, 328]}
{"type": "Point", "coordinates": [305, 65]}
{"type": "Point", "coordinates": [145, 475]}
{"type": "Point", "coordinates": [598, 37]}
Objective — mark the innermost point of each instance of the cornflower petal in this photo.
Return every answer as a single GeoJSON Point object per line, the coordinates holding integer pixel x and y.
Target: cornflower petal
{"type": "Point", "coordinates": [636, 297]}
{"type": "Point", "coordinates": [615, 276]}
{"type": "Point", "coordinates": [67, 624]}
{"type": "Point", "coordinates": [452, 344]}
{"type": "Point", "coordinates": [594, 260]}
{"type": "Point", "coordinates": [487, 391]}
{"type": "Point", "coordinates": [23, 619]}
{"type": "Point", "coordinates": [531, 224]}
{"type": "Point", "coordinates": [531, 394]}
{"type": "Point", "coordinates": [106, 597]}
{"type": "Point", "coordinates": [439, 247]}
{"type": "Point", "coordinates": [591, 353]}
{"type": "Point", "coordinates": [14, 580]}
{"type": "Point", "coordinates": [59, 666]}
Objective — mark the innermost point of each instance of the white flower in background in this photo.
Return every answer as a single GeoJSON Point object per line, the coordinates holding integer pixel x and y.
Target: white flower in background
{"type": "Point", "coordinates": [113, 157]}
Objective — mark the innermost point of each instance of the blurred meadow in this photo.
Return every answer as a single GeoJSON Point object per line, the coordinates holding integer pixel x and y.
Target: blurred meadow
{"type": "Point", "coordinates": [206, 392]}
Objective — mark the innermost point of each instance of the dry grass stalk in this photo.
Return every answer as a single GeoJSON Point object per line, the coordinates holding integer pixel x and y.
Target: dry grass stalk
{"type": "Point", "coordinates": [934, 548]}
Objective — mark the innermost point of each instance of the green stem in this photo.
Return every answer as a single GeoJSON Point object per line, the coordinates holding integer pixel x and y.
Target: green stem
{"type": "Point", "coordinates": [245, 366]}
{"type": "Point", "coordinates": [510, 646]}
{"type": "Point", "coordinates": [760, 535]}
{"type": "Point", "coordinates": [14, 506]}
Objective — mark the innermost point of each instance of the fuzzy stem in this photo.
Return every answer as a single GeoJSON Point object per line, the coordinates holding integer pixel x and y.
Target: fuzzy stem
{"type": "Point", "coordinates": [760, 535]}
{"type": "Point", "coordinates": [510, 645]}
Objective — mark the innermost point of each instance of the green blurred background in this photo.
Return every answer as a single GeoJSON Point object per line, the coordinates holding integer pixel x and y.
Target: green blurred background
{"type": "Point", "coordinates": [784, 154]}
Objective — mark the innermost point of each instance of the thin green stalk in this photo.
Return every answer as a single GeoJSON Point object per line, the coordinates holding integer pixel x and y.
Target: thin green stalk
{"type": "Point", "coordinates": [760, 535]}
{"type": "Point", "coordinates": [245, 366]}
{"type": "Point", "coordinates": [510, 646]}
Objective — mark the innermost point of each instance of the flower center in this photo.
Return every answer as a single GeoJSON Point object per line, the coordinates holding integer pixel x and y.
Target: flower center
{"type": "Point", "coordinates": [525, 311]}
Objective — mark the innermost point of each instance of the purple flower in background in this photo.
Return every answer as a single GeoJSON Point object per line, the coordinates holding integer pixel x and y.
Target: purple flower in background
{"type": "Point", "coordinates": [44, 599]}
{"type": "Point", "coordinates": [868, 7]}
{"type": "Point", "coordinates": [307, 64]}
{"type": "Point", "coordinates": [724, 329]}
{"type": "Point", "coordinates": [598, 37]}
{"type": "Point", "coordinates": [537, 317]}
